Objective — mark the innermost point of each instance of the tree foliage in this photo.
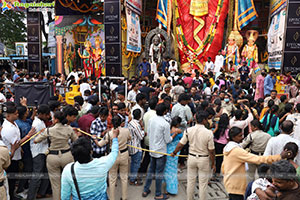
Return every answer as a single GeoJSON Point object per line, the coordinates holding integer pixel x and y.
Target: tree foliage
{"type": "Point", "coordinates": [12, 28]}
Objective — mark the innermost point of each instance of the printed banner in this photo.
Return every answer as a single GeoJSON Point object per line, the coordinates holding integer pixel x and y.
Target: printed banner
{"type": "Point", "coordinates": [51, 35]}
{"type": "Point", "coordinates": [275, 40]}
{"type": "Point", "coordinates": [135, 5]}
{"type": "Point", "coordinates": [277, 6]}
{"type": "Point", "coordinates": [134, 43]}
{"type": "Point", "coordinates": [22, 5]}
{"type": "Point", "coordinates": [21, 48]}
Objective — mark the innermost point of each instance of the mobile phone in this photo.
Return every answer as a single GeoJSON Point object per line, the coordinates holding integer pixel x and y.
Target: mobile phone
{"type": "Point", "coordinates": [36, 102]}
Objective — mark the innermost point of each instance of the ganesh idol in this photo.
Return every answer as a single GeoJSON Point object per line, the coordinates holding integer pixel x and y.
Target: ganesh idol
{"type": "Point", "coordinates": [250, 50]}
{"type": "Point", "coordinates": [232, 52]}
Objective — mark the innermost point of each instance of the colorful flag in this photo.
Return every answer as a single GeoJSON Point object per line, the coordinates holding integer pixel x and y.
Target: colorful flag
{"type": "Point", "coordinates": [163, 11]}
{"type": "Point", "coordinates": [246, 12]}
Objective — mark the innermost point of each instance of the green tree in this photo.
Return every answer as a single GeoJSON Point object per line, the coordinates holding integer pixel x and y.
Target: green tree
{"type": "Point", "coordinates": [12, 28]}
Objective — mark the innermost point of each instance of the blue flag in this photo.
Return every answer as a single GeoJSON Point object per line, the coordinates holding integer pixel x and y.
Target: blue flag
{"type": "Point", "coordinates": [246, 12]}
{"type": "Point", "coordinates": [162, 12]}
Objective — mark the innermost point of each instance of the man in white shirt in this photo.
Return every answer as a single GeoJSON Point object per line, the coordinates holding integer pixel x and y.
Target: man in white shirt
{"type": "Point", "coordinates": [132, 93]}
{"type": "Point", "coordinates": [209, 66]}
{"type": "Point", "coordinates": [276, 144]}
{"type": "Point", "coordinates": [173, 68]}
{"type": "Point", "coordinates": [140, 103]}
{"type": "Point", "coordinates": [219, 62]}
{"type": "Point", "coordinates": [147, 117]}
{"type": "Point", "coordinates": [84, 86]}
{"type": "Point", "coordinates": [38, 183]}
{"type": "Point", "coordinates": [295, 118]}
{"type": "Point", "coordinates": [75, 74]}
{"type": "Point", "coordinates": [207, 90]}
{"type": "Point", "coordinates": [154, 66]}
{"type": "Point", "coordinates": [10, 134]}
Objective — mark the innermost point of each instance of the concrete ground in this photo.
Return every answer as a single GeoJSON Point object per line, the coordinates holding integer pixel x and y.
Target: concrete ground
{"type": "Point", "coordinates": [215, 191]}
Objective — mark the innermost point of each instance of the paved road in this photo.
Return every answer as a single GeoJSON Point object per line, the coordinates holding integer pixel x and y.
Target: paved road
{"type": "Point", "coordinates": [215, 191]}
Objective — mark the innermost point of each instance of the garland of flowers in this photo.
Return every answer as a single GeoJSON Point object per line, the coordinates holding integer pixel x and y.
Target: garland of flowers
{"type": "Point", "coordinates": [208, 38]}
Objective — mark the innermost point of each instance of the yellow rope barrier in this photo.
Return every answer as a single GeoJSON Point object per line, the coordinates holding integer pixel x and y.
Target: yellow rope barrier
{"type": "Point", "coordinates": [32, 137]}
{"type": "Point", "coordinates": [151, 151]}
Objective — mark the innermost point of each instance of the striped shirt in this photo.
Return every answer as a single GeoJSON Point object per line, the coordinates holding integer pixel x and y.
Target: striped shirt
{"type": "Point", "coordinates": [137, 134]}
{"type": "Point", "coordinates": [97, 127]}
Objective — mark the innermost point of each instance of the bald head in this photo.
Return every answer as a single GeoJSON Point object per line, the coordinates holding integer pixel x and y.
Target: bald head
{"type": "Point", "coordinates": [287, 127]}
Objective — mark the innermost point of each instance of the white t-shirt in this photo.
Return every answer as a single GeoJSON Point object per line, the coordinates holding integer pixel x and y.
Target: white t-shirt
{"type": "Point", "coordinates": [10, 133]}
{"type": "Point", "coordinates": [156, 76]}
{"type": "Point", "coordinates": [84, 87]}
{"type": "Point", "coordinates": [75, 74]}
{"type": "Point", "coordinates": [219, 63]}
{"type": "Point", "coordinates": [173, 70]}
{"type": "Point", "coordinates": [209, 66]}
{"type": "Point", "coordinates": [153, 68]}
{"type": "Point", "coordinates": [132, 95]}
{"type": "Point", "coordinates": [207, 91]}
{"type": "Point", "coordinates": [39, 148]}
{"type": "Point", "coordinates": [137, 106]}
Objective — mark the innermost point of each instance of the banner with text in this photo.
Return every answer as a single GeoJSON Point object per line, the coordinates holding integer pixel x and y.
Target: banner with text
{"type": "Point", "coordinates": [134, 42]}
{"type": "Point", "coordinates": [275, 40]}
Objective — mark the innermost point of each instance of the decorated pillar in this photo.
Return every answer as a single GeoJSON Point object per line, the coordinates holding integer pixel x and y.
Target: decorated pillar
{"type": "Point", "coordinates": [59, 53]}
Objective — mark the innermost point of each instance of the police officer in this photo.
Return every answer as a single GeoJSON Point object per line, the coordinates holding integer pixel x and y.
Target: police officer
{"type": "Point", "coordinates": [121, 163]}
{"type": "Point", "coordinates": [201, 151]}
{"type": "Point", "coordinates": [4, 164]}
{"type": "Point", "coordinates": [59, 154]}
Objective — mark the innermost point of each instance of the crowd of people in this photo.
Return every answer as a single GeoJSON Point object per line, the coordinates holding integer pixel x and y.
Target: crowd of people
{"type": "Point", "coordinates": [232, 129]}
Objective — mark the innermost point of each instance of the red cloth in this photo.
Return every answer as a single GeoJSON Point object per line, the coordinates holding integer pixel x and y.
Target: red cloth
{"type": "Point", "coordinates": [189, 25]}
{"type": "Point", "coordinates": [85, 122]}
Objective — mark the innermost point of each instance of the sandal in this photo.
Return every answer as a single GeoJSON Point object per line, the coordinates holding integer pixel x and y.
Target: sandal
{"type": "Point", "coordinates": [136, 183]}
{"type": "Point", "coordinates": [164, 197]}
{"type": "Point", "coordinates": [145, 194]}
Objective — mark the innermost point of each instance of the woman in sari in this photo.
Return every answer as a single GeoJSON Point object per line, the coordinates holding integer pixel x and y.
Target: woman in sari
{"type": "Point", "coordinates": [271, 121]}
{"type": "Point", "coordinates": [170, 174]}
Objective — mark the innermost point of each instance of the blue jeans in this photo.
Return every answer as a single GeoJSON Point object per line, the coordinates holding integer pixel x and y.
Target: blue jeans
{"type": "Point", "coordinates": [135, 165]}
{"type": "Point", "coordinates": [157, 168]}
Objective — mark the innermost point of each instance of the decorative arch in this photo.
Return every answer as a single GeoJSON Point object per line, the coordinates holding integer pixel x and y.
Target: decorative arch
{"type": "Point", "coordinates": [151, 34]}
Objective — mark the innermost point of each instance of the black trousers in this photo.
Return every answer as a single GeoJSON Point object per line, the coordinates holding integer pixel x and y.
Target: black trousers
{"type": "Point", "coordinates": [39, 182]}
{"type": "Point", "coordinates": [145, 163]}
{"type": "Point", "coordinates": [27, 163]}
{"type": "Point", "coordinates": [184, 151]}
{"type": "Point", "coordinates": [12, 170]}
{"type": "Point", "coordinates": [219, 159]}
{"type": "Point", "coordinates": [236, 197]}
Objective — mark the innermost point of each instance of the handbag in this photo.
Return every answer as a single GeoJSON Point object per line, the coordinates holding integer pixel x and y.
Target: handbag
{"type": "Point", "coordinates": [75, 181]}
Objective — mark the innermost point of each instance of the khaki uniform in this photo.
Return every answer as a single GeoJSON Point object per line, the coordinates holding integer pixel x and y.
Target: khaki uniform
{"type": "Point", "coordinates": [201, 140]}
{"type": "Point", "coordinates": [4, 163]}
{"type": "Point", "coordinates": [59, 153]}
{"type": "Point", "coordinates": [258, 141]}
{"type": "Point", "coordinates": [121, 163]}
